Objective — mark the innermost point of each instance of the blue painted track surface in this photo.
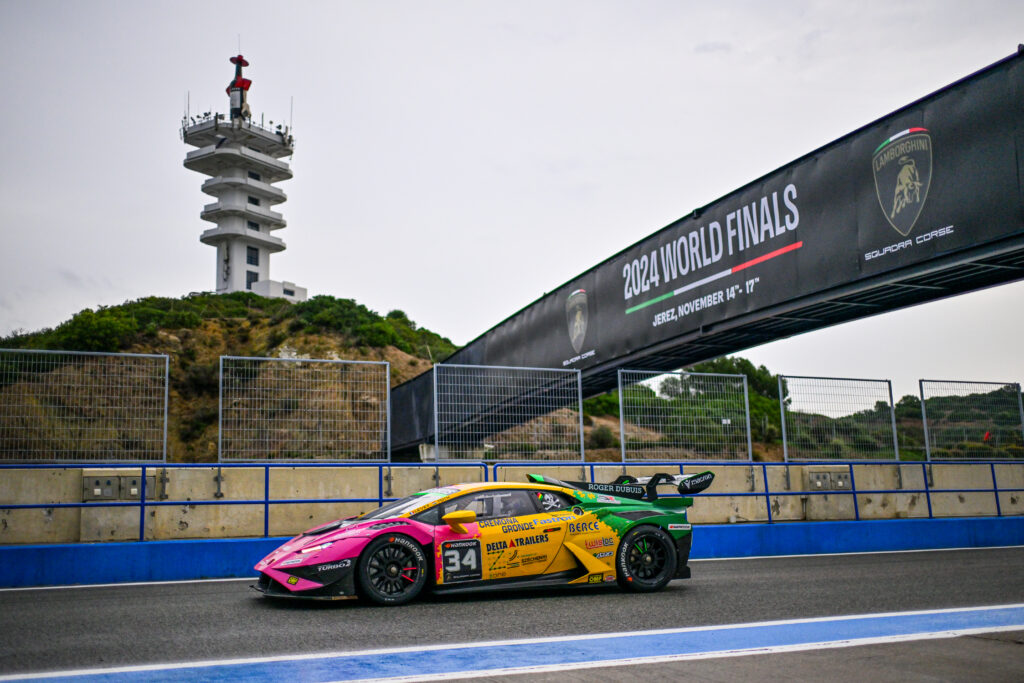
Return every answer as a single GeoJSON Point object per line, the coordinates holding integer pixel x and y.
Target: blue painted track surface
{"type": "Point", "coordinates": [454, 660]}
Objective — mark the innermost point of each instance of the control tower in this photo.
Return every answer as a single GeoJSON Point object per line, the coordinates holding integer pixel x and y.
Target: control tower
{"type": "Point", "coordinates": [243, 160]}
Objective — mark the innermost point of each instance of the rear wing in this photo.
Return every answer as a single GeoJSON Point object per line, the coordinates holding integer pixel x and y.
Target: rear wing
{"type": "Point", "coordinates": [638, 488]}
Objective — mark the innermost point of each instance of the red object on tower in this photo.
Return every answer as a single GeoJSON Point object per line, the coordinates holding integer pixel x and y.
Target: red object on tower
{"type": "Point", "coordinates": [238, 88]}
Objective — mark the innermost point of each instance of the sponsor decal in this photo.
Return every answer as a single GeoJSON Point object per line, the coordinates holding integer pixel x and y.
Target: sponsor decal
{"type": "Point", "coordinates": [533, 559]}
{"type": "Point", "coordinates": [584, 527]}
{"type": "Point", "coordinates": [496, 546]}
{"type": "Point", "coordinates": [576, 314]}
{"type": "Point", "coordinates": [902, 166]}
{"type": "Point", "coordinates": [695, 483]}
{"type": "Point", "coordinates": [562, 518]}
{"type": "Point", "coordinates": [609, 577]}
{"type": "Point", "coordinates": [606, 553]}
{"type": "Point", "coordinates": [599, 542]}
{"type": "Point", "coordinates": [496, 522]}
{"type": "Point", "coordinates": [461, 561]}
{"type": "Point", "coordinates": [528, 540]}
{"type": "Point", "coordinates": [595, 578]}
{"type": "Point", "coordinates": [292, 580]}
{"type": "Point", "coordinates": [897, 247]}
{"type": "Point", "coordinates": [519, 526]}
{"type": "Point", "coordinates": [294, 560]}
{"type": "Point", "coordinates": [624, 489]}
{"type": "Point", "coordinates": [342, 564]}
{"type": "Point", "coordinates": [607, 499]}
{"type": "Point", "coordinates": [679, 527]}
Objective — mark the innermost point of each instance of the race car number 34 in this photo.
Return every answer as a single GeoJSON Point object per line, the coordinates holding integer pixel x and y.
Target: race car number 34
{"type": "Point", "coordinates": [461, 561]}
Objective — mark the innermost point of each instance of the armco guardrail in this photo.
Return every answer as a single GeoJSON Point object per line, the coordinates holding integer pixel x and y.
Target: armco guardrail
{"type": "Point", "coordinates": [773, 488]}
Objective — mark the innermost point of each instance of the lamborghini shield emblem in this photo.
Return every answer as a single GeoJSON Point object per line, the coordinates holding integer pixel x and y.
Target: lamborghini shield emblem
{"type": "Point", "coordinates": [576, 317]}
{"type": "Point", "coordinates": [902, 167]}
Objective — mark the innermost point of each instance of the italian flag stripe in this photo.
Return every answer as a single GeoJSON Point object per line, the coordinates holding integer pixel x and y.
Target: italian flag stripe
{"type": "Point", "coordinates": [908, 131]}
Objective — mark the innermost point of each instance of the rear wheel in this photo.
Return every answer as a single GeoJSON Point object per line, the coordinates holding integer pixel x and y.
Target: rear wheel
{"type": "Point", "coordinates": [646, 559]}
{"type": "Point", "coordinates": [392, 570]}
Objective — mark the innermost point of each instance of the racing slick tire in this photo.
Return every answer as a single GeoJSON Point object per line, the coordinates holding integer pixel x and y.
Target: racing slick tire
{"type": "Point", "coordinates": [392, 570]}
{"type": "Point", "coordinates": [646, 560]}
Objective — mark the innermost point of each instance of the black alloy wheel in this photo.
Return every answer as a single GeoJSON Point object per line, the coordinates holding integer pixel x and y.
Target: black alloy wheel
{"type": "Point", "coordinates": [646, 559]}
{"type": "Point", "coordinates": [392, 570]}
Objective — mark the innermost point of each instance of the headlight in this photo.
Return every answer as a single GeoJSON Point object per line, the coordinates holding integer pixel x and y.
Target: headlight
{"type": "Point", "coordinates": [316, 548]}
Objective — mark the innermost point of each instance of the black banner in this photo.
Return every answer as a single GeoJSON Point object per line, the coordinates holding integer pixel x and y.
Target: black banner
{"type": "Point", "coordinates": [934, 178]}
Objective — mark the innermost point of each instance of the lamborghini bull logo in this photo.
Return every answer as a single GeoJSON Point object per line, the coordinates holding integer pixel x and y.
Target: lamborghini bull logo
{"type": "Point", "coordinates": [576, 316]}
{"type": "Point", "coordinates": [902, 167]}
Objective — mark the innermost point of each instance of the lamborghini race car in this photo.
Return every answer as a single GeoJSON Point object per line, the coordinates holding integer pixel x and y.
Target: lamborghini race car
{"type": "Point", "coordinates": [488, 535]}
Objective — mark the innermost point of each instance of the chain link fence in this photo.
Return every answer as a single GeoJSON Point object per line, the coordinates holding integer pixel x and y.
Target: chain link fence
{"type": "Point", "coordinates": [76, 406]}
{"type": "Point", "coordinates": [501, 413]}
{"type": "Point", "coordinates": [683, 416]}
{"type": "Point", "coordinates": [304, 410]}
{"type": "Point", "coordinates": [836, 418]}
{"type": "Point", "coordinates": [972, 420]}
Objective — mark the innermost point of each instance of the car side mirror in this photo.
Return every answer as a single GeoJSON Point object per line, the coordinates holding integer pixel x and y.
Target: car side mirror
{"type": "Point", "coordinates": [456, 519]}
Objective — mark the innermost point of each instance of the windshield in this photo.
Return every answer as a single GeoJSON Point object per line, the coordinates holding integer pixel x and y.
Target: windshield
{"type": "Point", "coordinates": [402, 506]}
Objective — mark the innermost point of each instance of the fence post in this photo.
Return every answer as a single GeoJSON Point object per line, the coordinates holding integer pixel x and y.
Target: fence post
{"type": "Point", "coordinates": [167, 384]}
{"type": "Point", "coordinates": [746, 411]}
{"type": "Point", "coordinates": [437, 407]}
{"type": "Point", "coordinates": [579, 402]}
{"type": "Point", "coordinates": [1020, 407]}
{"type": "Point", "coordinates": [782, 416]}
{"type": "Point", "coordinates": [895, 437]}
{"type": "Point", "coordinates": [622, 421]}
{"type": "Point", "coordinates": [220, 409]}
{"type": "Point", "coordinates": [924, 421]}
{"type": "Point", "coordinates": [387, 402]}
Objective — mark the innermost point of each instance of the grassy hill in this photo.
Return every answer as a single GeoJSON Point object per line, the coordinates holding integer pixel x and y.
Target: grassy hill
{"type": "Point", "coordinates": [194, 331]}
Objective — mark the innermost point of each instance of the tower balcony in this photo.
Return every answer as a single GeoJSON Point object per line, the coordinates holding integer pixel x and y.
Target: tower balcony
{"type": "Point", "coordinates": [221, 209]}
{"type": "Point", "coordinates": [213, 161]}
{"type": "Point", "coordinates": [215, 236]}
{"type": "Point", "coordinates": [219, 185]}
{"type": "Point", "coordinates": [209, 131]}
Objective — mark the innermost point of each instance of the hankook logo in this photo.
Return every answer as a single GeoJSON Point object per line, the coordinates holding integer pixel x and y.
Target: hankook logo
{"type": "Point", "coordinates": [902, 167]}
{"type": "Point", "coordinates": [576, 313]}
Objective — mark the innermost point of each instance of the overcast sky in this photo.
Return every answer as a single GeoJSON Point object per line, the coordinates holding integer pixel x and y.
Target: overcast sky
{"type": "Point", "coordinates": [457, 160]}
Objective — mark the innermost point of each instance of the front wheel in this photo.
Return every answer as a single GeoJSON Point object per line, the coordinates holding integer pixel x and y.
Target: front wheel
{"type": "Point", "coordinates": [392, 570]}
{"type": "Point", "coordinates": [646, 560]}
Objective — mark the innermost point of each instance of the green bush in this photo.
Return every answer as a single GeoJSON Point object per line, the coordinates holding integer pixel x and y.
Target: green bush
{"type": "Point", "coordinates": [601, 437]}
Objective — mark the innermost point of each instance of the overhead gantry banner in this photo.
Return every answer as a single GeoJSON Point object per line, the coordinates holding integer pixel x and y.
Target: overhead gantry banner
{"type": "Point", "coordinates": [937, 178]}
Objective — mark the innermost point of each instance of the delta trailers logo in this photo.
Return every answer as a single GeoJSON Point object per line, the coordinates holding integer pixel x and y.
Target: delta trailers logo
{"type": "Point", "coordinates": [902, 166]}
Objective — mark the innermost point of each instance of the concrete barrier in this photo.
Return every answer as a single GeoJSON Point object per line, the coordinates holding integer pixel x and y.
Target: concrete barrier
{"type": "Point", "coordinates": [792, 497]}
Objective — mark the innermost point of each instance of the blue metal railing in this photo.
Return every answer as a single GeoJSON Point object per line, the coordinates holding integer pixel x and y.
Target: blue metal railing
{"type": "Point", "coordinates": [492, 474]}
{"type": "Point", "coordinates": [383, 493]}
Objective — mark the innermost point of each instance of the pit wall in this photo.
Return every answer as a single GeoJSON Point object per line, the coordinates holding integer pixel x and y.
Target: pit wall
{"type": "Point", "coordinates": [181, 501]}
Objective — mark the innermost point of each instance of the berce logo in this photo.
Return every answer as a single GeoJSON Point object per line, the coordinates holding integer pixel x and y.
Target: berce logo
{"type": "Point", "coordinates": [902, 166]}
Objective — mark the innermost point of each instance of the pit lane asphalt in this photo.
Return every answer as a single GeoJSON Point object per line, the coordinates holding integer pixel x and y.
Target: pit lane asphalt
{"type": "Point", "coordinates": [86, 627]}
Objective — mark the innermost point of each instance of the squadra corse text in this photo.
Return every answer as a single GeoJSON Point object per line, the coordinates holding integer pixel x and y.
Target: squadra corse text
{"type": "Point", "coordinates": [770, 217]}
